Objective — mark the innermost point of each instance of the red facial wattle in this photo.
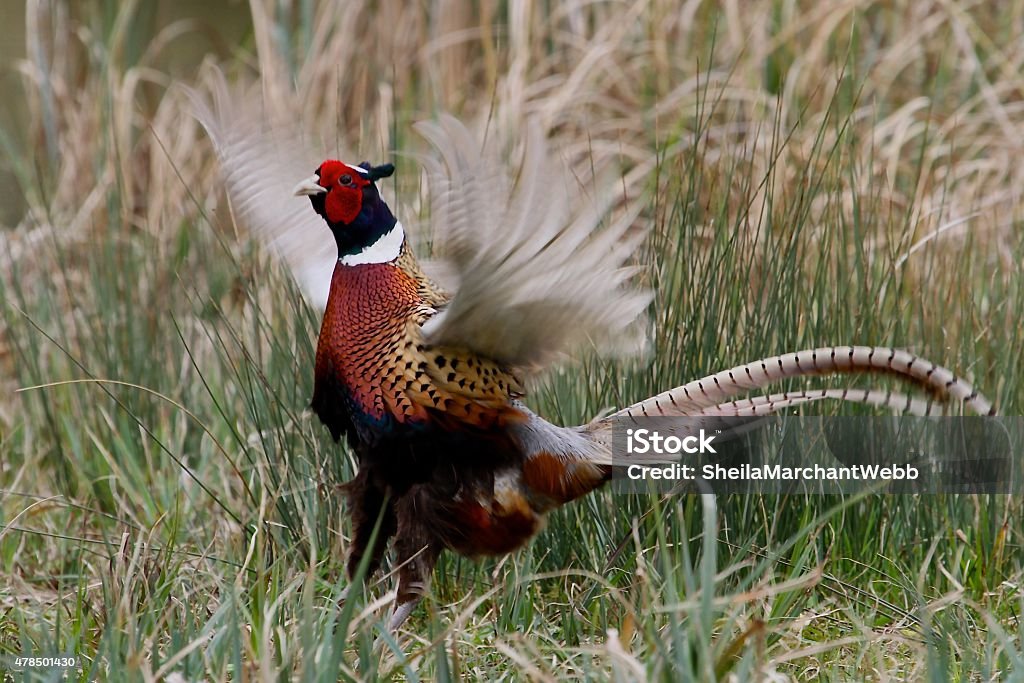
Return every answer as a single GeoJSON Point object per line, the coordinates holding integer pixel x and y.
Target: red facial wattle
{"type": "Point", "coordinates": [343, 204]}
{"type": "Point", "coordinates": [344, 186]}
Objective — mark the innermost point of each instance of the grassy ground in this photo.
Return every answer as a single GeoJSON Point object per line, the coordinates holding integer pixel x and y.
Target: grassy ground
{"type": "Point", "coordinates": [827, 173]}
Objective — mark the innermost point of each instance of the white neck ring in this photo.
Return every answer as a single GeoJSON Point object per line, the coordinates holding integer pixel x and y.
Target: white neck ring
{"type": "Point", "coordinates": [386, 249]}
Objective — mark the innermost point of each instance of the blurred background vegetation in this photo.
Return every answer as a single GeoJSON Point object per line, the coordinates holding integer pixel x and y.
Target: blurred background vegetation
{"type": "Point", "coordinates": [824, 173]}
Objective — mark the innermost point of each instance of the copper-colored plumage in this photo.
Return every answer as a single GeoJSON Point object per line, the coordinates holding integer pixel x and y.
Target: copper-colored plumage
{"type": "Point", "coordinates": [430, 425]}
{"type": "Point", "coordinates": [561, 480]}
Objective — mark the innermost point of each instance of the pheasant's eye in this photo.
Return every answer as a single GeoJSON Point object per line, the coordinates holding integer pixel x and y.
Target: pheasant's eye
{"type": "Point", "coordinates": [345, 180]}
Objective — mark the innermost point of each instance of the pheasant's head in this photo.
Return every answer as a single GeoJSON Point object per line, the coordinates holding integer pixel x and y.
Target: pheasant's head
{"type": "Point", "coordinates": [346, 197]}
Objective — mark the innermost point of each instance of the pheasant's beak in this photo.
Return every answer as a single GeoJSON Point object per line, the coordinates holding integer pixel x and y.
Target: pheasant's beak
{"type": "Point", "coordinates": [309, 186]}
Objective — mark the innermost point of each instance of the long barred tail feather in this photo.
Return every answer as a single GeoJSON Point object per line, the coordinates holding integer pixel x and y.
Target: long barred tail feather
{"type": "Point", "coordinates": [710, 401]}
{"type": "Point", "coordinates": [713, 390]}
{"type": "Point", "coordinates": [768, 404]}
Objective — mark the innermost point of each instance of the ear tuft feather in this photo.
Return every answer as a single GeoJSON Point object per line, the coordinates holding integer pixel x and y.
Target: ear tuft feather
{"type": "Point", "coordinates": [375, 173]}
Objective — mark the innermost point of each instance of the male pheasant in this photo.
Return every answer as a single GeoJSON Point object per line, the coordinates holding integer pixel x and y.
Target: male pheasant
{"type": "Point", "coordinates": [426, 386]}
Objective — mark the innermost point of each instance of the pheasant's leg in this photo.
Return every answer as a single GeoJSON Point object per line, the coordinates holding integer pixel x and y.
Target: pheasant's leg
{"type": "Point", "coordinates": [413, 580]}
{"type": "Point", "coordinates": [402, 612]}
{"type": "Point", "coordinates": [367, 502]}
{"type": "Point", "coordinates": [417, 549]}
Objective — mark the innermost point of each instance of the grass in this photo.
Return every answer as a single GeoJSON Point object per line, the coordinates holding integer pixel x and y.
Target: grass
{"type": "Point", "coordinates": [168, 505]}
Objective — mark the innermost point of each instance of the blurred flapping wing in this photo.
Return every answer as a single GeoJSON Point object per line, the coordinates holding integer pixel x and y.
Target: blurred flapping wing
{"type": "Point", "coordinates": [540, 267]}
{"type": "Point", "coordinates": [260, 164]}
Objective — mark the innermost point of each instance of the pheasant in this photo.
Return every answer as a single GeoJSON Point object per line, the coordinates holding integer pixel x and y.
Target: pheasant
{"type": "Point", "coordinates": [426, 386]}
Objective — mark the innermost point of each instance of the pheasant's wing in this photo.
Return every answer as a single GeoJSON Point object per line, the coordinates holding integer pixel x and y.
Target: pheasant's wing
{"type": "Point", "coordinates": [260, 164]}
{"type": "Point", "coordinates": [537, 274]}
{"type": "Point", "coordinates": [449, 385]}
